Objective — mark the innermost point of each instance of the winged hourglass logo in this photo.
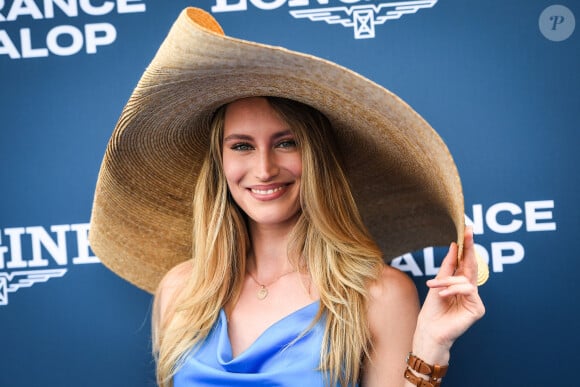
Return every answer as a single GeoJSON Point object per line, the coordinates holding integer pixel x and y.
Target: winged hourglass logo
{"type": "Point", "coordinates": [364, 17]}
{"type": "Point", "coordinates": [11, 282]}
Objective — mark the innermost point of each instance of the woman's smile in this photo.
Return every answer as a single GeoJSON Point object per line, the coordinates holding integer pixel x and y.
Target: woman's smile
{"type": "Point", "coordinates": [269, 192]}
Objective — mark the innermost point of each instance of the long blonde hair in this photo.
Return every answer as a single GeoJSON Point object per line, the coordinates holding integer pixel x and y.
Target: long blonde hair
{"type": "Point", "coordinates": [330, 238]}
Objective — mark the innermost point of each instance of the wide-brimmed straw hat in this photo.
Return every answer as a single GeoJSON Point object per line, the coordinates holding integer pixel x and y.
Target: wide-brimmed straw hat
{"type": "Point", "coordinates": [403, 177]}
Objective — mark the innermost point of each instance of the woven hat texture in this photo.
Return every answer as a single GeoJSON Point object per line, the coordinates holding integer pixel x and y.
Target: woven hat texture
{"type": "Point", "coordinates": [403, 177]}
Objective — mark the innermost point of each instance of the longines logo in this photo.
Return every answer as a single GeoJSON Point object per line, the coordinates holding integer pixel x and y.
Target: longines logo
{"type": "Point", "coordinates": [49, 255]}
{"type": "Point", "coordinates": [362, 18]}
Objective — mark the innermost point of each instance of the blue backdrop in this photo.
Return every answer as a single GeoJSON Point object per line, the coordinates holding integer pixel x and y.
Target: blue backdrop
{"type": "Point", "coordinates": [499, 80]}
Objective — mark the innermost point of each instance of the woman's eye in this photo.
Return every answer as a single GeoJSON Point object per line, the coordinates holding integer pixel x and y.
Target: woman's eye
{"type": "Point", "coordinates": [241, 147]}
{"type": "Point", "coordinates": [287, 144]}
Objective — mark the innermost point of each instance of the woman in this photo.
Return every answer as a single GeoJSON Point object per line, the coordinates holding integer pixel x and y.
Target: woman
{"type": "Point", "coordinates": [281, 282]}
{"type": "Point", "coordinates": [258, 148]}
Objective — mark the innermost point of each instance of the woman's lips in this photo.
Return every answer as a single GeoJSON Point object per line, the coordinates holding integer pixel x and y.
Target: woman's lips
{"type": "Point", "coordinates": [269, 192]}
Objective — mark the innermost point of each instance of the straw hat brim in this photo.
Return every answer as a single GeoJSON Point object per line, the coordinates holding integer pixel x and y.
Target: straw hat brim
{"type": "Point", "coordinates": [403, 177]}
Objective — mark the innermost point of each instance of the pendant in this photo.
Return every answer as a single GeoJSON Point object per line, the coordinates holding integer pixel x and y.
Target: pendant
{"type": "Point", "coordinates": [262, 293]}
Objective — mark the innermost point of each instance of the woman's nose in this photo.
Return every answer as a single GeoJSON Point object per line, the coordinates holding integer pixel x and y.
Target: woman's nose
{"type": "Point", "coordinates": [266, 167]}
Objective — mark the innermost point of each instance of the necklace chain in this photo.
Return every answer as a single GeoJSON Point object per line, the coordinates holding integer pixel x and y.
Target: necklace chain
{"type": "Point", "coordinates": [263, 291]}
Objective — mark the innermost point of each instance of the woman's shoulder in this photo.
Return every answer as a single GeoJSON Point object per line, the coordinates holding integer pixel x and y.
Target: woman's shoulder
{"type": "Point", "coordinates": [392, 285]}
{"type": "Point", "coordinates": [169, 286]}
{"type": "Point", "coordinates": [392, 296]}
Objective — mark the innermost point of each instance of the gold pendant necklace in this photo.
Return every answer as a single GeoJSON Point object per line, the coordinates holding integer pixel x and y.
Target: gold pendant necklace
{"type": "Point", "coordinates": [263, 291]}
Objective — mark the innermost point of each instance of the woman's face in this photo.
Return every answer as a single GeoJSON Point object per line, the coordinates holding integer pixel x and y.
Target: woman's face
{"type": "Point", "coordinates": [262, 163]}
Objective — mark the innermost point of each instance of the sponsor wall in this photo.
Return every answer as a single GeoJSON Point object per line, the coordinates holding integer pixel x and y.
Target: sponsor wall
{"type": "Point", "coordinates": [498, 80]}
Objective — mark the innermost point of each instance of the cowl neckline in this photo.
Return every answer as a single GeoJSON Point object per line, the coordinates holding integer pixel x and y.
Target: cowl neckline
{"type": "Point", "coordinates": [273, 339]}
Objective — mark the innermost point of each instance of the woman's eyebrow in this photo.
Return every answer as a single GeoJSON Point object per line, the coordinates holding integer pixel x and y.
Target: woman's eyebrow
{"type": "Point", "coordinates": [246, 137]}
{"type": "Point", "coordinates": [236, 136]}
{"type": "Point", "coordinates": [283, 133]}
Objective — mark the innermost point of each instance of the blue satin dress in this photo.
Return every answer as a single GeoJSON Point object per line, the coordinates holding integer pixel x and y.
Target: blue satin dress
{"type": "Point", "coordinates": [281, 356]}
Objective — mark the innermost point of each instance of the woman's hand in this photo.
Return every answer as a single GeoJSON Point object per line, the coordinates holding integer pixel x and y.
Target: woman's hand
{"type": "Point", "coordinates": [452, 304]}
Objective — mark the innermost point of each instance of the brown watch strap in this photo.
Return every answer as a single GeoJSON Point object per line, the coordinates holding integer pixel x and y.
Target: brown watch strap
{"type": "Point", "coordinates": [435, 372]}
{"type": "Point", "coordinates": [420, 382]}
